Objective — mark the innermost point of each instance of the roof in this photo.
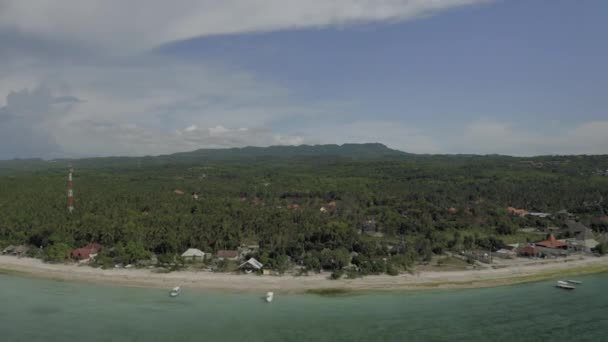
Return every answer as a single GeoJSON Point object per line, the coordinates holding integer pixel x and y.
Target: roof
{"type": "Point", "coordinates": [193, 252]}
{"type": "Point", "coordinates": [253, 263]}
{"type": "Point", "coordinates": [81, 253]}
{"type": "Point", "coordinates": [94, 246]}
{"type": "Point", "coordinates": [332, 204]}
{"type": "Point", "coordinates": [179, 192]}
{"type": "Point", "coordinates": [227, 254]}
{"type": "Point", "coordinates": [551, 243]}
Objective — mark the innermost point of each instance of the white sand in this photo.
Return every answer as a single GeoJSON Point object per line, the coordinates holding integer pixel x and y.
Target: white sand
{"type": "Point", "coordinates": [519, 272]}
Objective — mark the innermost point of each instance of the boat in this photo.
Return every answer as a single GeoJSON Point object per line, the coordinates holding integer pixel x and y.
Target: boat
{"type": "Point", "coordinates": [564, 285]}
{"type": "Point", "coordinates": [269, 297]}
{"type": "Point", "coordinates": [174, 291]}
{"type": "Point", "coordinates": [577, 282]}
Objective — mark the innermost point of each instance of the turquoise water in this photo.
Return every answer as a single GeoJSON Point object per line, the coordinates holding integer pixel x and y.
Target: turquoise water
{"type": "Point", "coordinates": [43, 310]}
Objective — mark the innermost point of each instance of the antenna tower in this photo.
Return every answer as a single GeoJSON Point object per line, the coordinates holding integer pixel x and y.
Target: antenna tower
{"type": "Point", "coordinates": [70, 190]}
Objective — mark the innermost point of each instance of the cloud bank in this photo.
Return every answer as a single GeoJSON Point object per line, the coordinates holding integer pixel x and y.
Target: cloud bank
{"type": "Point", "coordinates": [140, 24]}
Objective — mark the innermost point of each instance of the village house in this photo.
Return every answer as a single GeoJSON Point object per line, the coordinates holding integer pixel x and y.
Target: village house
{"type": "Point", "coordinates": [20, 250]}
{"type": "Point", "coordinates": [515, 211]}
{"type": "Point", "coordinates": [578, 230]}
{"type": "Point", "coordinates": [528, 251]}
{"type": "Point", "coordinates": [87, 252]}
{"type": "Point", "coordinates": [193, 254]}
{"type": "Point", "coordinates": [179, 192]}
{"type": "Point", "coordinates": [251, 265]}
{"type": "Point", "coordinates": [506, 253]}
{"type": "Point", "coordinates": [228, 255]}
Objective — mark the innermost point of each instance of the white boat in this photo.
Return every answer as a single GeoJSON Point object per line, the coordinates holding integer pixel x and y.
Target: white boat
{"type": "Point", "coordinates": [564, 285]}
{"type": "Point", "coordinates": [570, 281]}
{"type": "Point", "coordinates": [175, 291]}
{"type": "Point", "coordinates": [269, 297]}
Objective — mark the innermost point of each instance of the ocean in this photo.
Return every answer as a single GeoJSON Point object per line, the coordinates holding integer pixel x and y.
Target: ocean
{"type": "Point", "coordinates": [45, 310]}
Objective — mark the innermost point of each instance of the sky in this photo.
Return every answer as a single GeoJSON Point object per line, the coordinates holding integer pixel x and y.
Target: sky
{"type": "Point", "coordinates": [81, 78]}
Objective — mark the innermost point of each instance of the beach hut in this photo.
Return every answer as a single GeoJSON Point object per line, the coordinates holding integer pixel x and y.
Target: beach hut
{"type": "Point", "coordinates": [193, 254]}
{"type": "Point", "coordinates": [251, 265]}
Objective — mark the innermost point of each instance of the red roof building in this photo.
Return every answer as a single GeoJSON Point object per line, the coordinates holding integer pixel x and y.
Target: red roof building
{"type": "Point", "coordinates": [552, 243]}
{"type": "Point", "coordinates": [515, 211]}
{"type": "Point", "coordinates": [179, 192]}
{"type": "Point", "coordinates": [86, 252]}
{"type": "Point", "coordinates": [332, 204]}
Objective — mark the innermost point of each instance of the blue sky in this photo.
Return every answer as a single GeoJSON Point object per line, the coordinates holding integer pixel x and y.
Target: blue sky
{"type": "Point", "coordinates": [452, 76]}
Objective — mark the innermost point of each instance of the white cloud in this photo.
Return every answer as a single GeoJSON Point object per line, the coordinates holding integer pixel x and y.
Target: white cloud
{"type": "Point", "coordinates": [144, 23]}
{"type": "Point", "coordinates": [147, 106]}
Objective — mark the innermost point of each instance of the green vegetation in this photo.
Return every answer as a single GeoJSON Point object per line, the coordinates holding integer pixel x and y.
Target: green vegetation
{"type": "Point", "coordinates": [248, 195]}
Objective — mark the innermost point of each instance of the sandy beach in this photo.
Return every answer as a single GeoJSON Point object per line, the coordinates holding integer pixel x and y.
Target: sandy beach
{"type": "Point", "coordinates": [532, 270]}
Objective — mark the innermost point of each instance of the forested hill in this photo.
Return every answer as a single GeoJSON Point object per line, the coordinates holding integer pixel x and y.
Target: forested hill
{"type": "Point", "coordinates": [370, 151]}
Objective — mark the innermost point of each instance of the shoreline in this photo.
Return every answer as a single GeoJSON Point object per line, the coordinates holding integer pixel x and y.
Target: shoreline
{"type": "Point", "coordinates": [314, 283]}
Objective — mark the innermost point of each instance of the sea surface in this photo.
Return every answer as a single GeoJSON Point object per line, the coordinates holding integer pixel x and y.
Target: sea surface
{"type": "Point", "coordinates": [44, 310]}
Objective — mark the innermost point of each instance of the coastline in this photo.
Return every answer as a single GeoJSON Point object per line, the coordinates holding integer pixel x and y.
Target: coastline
{"type": "Point", "coordinates": [314, 283]}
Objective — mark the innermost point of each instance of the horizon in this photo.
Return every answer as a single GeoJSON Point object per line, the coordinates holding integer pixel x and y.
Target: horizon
{"type": "Point", "coordinates": [302, 145]}
{"type": "Point", "coordinates": [449, 77]}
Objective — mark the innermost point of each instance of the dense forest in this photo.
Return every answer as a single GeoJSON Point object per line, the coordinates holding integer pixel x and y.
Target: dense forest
{"type": "Point", "coordinates": [304, 206]}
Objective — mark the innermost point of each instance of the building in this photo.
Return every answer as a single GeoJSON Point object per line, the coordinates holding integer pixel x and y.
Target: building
{"type": "Point", "coordinates": [193, 254]}
{"type": "Point", "coordinates": [251, 265]}
{"type": "Point", "coordinates": [518, 212]}
{"type": "Point", "coordinates": [228, 255]}
{"type": "Point", "coordinates": [552, 242]}
{"type": "Point", "coordinates": [87, 252]}
{"type": "Point", "coordinates": [505, 253]}
{"type": "Point", "coordinates": [578, 230]}
{"type": "Point", "coordinates": [179, 192]}
{"type": "Point", "coordinates": [528, 251]}
{"type": "Point", "coordinates": [19, 250]}
{"type": "Point", "coordinates": [452, 211]}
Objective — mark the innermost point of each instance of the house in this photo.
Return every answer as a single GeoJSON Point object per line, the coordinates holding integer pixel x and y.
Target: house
{"type": "Point", "coordinates": [332, 204]}
{"type": "Point", "coordinates": [552, 243]}
{"type": "Point", "coordinates": [8, 249]}
{"type": "Point", "coordinates": [452, 211]}
{"type": "Point", "coordinates": [515, 211]}
{"type": "Point", "coordinates": [193, 254]}
{"type": "Point", "coordinates": [528, 251]}
{"type": "Point", "coordinates": [505, 253]}
{"type": "Point", "coordinates": [20, 250]}
{"type": "Point", "coordinates": [179, 192]}
{"type": "Point", "coordinates": [251, 265]}
{"type": "Point", "coordinates": [89, 251]}
{"type": "Point", "coordinates": [582, 245]}
{"type": "Point", "coordinates": [578, 230]}
{"type": "Point", "coordinates": [82, 254]}
{"type": "Point", "coordinates": [227, 255]}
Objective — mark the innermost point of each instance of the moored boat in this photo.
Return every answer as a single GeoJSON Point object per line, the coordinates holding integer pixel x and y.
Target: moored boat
{"type": "Point", "coordinates": [564, 285]}
{"type": "Point", "coordinates": [269, 297]}
{"type": "Point", "coordinates": [175, 291]}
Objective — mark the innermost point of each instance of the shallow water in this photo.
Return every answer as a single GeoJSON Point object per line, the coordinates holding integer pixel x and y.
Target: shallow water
{"type": "Point", "coordinates": [44, 310]}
